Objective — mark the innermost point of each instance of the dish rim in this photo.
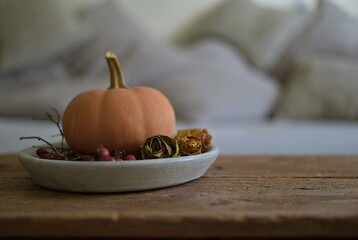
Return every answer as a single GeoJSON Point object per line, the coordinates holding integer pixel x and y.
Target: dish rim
{"type": "Point", "coordinates": [29, 154]}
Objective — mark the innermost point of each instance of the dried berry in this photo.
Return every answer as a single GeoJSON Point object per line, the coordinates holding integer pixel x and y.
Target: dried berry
{"type": "Point", "coordinates": [103, 153]}
{"type": "Point", "coordinates": [119, 153]}
{"type": "Point", "coordinates": [41, 152]}
{"type": "Point", "coordinates": [110, 158]}
{"type": "Point", "coordinates": [130, 157]}
{"type": "Point", "coordinates": [90, 158]}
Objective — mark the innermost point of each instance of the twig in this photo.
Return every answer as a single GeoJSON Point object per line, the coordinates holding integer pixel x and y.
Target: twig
{"type": "Point", "coordinates": [48, 143]}
{"type": "Point", "coordinates": [57, 122]}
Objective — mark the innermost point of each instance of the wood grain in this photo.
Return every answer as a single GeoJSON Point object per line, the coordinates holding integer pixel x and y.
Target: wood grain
{"type": "Point", "coordinates": [239, 196]}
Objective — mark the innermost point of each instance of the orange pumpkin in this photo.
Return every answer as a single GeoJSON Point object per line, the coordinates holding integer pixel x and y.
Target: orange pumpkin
{"type": "Point", "coordinates": [118, 117]}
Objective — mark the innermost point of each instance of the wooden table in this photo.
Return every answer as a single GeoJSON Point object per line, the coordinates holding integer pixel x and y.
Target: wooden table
{"type": "Point", "coordinates": [239, 196]}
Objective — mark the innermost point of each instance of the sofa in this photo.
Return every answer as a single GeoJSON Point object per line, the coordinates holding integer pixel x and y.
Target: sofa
{"type": "Point", "coordinates": [262, 79]}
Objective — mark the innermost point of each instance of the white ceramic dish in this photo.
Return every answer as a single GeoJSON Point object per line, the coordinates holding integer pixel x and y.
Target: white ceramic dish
{"type": "Point", "coordinates": [77, 176]}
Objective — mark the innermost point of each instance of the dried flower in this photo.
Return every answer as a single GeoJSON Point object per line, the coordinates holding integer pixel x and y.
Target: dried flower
{"type": "Point", "coordinates": [201, 133]}
{"type": "Point", "coordinates": [160, 147]}
{"type": "Point", "coordinates": [190, 145]}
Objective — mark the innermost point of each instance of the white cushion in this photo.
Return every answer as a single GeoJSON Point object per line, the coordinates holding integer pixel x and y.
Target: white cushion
{"type": "Point", "coordinates": [260, 32]}
{"type": "Point", "coordinates": [335, 32]}
{"type": "Point", "coordinates": [35, 32]}
{"type": "Point", "coordinates": [332, 31]}
{"type": "Point", "coordinates": [321, 87]}
{"type": "Point", "coordinates": [216, 84]}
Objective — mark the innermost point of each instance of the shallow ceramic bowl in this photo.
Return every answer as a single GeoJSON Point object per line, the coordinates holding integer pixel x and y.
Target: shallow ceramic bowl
{"type": "Point", "coordinates": [82, 176]}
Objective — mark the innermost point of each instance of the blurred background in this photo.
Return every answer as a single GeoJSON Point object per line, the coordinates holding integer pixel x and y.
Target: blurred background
{"type": "Point", "coordinates": [179, 14]}
{"type": "Point", "coordinates": [267, 76]}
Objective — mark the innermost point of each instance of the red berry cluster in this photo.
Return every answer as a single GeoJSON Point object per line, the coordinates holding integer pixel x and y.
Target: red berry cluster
{"type": "Point", "coordinates": [102, 154]}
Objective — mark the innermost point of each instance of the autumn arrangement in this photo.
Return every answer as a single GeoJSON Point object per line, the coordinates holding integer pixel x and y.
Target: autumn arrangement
{"type": "Point", "coordinates": [120, 124]}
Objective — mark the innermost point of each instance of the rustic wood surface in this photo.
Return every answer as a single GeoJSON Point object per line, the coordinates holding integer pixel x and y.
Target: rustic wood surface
{"type": "Point", "coordinates": [239, 196]}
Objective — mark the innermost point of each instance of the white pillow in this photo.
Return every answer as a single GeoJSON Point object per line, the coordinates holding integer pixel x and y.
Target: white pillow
{"type": "Point", "coordinates": [36, 31]}
{"type": "Point", "coordinates": [335, 32]}
{"type": "Point", "coordinates": [260, 32]}
{"type": "Point", "coordinates": [320, 87]}
{"type": "Point", "coordinates": [216, 84]}
{"type": "Point", "coordinates": [32, 93]}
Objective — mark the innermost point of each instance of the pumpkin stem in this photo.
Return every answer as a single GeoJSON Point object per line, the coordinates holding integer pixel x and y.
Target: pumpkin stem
{"type": "Point", "coordinates": [117, 79]}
